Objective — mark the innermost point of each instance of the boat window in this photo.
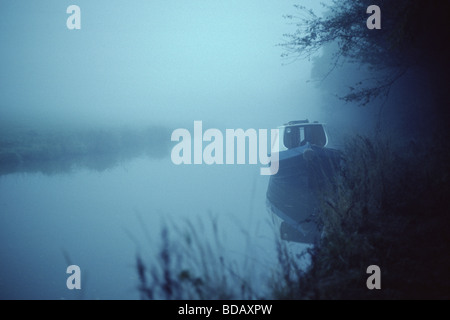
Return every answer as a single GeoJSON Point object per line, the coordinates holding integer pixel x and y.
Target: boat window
{"type": "Point", "coordinates": [296, 136]}
{"type": "Point", "coordinates": [315, 134]}
{"type": "Point", "coordinates": [293, 137]}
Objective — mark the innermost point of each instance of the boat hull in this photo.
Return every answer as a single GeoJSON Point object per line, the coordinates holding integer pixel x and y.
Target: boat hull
{"type": "Point", "coordinates": [293, 193]}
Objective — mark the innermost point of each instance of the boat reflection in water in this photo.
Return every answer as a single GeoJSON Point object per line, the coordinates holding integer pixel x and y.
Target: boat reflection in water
{"type": "Point", "coordinates": [306, 167]}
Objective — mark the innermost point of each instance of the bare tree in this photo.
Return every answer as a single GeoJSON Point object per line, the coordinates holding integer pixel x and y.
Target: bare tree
{"type": "Point", "coordinates": [411, 34]}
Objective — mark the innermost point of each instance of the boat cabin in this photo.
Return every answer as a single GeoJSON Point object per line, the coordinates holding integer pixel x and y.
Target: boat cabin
{"type": "Point", "coordinates": [297, 133]}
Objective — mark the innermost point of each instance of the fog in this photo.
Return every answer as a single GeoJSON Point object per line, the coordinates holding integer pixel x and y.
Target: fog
{"type": "Point", "coordinates": [152, 62]}
{"type": "Point", "coordinates": [86, 123]}
{"type": "Point", "coordinates": [157, 64]}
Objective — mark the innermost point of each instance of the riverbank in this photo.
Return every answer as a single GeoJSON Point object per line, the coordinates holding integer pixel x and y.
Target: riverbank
{"type": "Point", "coordinates": [388, 207]}
{"type": "Point", "coordinates": [58, 150]}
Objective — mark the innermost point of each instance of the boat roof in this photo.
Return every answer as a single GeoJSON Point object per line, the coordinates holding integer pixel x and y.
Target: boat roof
{"type": "Point", "coordinates": [297, 123]}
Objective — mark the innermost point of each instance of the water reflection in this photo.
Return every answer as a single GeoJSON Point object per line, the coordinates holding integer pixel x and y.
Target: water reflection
{"type": "Point", "coordinates": [98, 218]}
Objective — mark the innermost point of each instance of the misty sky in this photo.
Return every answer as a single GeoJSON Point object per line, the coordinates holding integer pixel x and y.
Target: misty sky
{"type": "Point", "coordinates": [164, 61]}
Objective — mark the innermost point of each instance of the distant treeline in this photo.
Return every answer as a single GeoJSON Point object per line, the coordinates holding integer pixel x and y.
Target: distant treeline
{"type": "Point", "coordinates": [58, 150]}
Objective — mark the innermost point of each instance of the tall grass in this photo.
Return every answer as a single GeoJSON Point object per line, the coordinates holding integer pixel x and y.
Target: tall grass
{"type": "Point", "coordinates": [388, 205]}
{"type": "Point", "coordinates": [192, 263]}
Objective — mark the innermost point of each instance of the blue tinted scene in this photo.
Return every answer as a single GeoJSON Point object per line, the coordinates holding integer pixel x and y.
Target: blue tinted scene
{"type": "Point", "coordinates": [241, 149]}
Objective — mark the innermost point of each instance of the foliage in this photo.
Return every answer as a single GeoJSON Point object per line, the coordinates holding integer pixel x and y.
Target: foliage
{"type": "Point", "coordinates": [192, 265]}
{"type": "Point", "coordinates": [413, 33]}
{"type": "Point", "coordinates": [388, 206]}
